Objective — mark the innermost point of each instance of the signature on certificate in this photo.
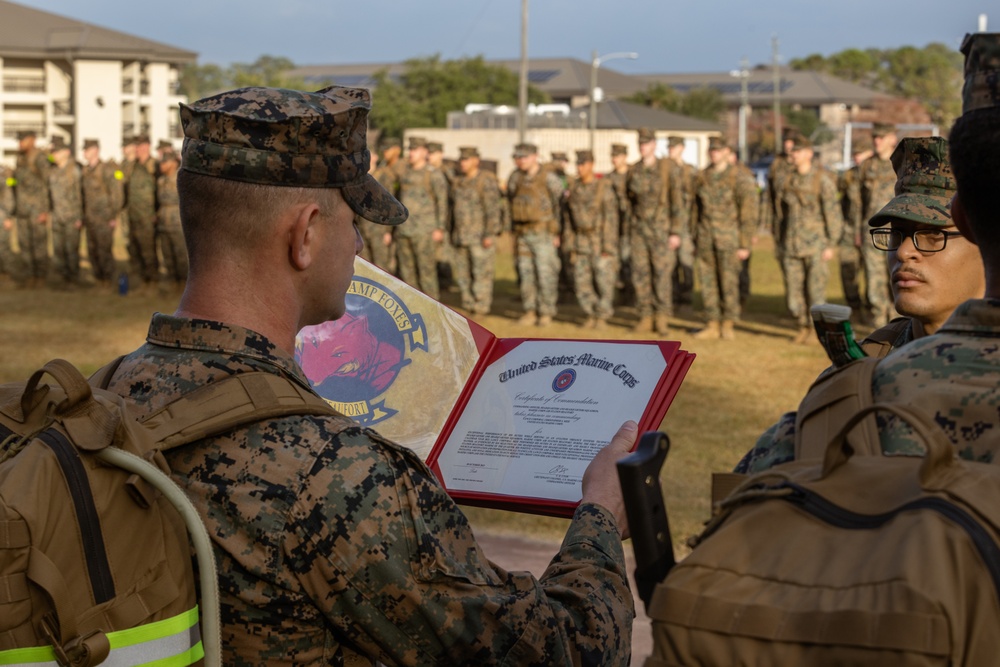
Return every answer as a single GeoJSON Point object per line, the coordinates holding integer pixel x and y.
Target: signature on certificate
{"type": "Point", "coordinates": [559, 470]}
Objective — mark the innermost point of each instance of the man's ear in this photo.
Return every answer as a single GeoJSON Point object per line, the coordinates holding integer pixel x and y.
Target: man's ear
{"type": "Point", "coordinates": [961, 218]}
{"type": "Point", "coordinates": [302, 236]}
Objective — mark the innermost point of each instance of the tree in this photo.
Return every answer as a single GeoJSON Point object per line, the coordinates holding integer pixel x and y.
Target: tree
{"type": "Point", "coordinates": [705, 102]}
{"type": "Point", "coordinates": [198, 81]}
{"type": "Point", "coordinates": [429, 88]}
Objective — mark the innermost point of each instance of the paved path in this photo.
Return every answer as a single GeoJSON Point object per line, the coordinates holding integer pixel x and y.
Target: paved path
{"type": "Point", "coordinates": [516, 553]}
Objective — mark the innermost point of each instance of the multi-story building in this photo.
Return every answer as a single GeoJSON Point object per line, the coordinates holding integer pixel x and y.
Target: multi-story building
{"type": "Point", "coordinates": [63, 77]}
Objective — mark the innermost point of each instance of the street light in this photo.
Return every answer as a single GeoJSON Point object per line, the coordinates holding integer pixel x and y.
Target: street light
{"type": "Point", "coordinates": [742, 74]}
{"type": "Point", "coordinates": [595, 63]}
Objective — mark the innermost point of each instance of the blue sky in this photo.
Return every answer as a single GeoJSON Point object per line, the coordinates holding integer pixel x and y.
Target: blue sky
{"type": "Point", "coordinates": [669, 36]}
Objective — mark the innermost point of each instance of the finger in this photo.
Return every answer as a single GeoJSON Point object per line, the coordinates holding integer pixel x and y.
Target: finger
{"type": "Point", "coordinates": [624, 439]}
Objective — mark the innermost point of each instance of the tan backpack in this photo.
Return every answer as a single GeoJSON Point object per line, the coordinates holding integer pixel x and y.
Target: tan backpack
{"type": "Point", "coordinates": [847, 559]}
{"type": "Point", "coordinates": [95, 559]}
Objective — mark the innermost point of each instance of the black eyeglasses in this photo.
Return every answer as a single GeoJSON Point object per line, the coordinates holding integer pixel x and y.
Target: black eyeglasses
{"type": "Point", "coordinates": [924, 240]}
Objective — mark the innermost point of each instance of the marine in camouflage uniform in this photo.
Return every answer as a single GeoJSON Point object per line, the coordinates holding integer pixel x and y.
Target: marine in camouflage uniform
{"type": "Point", "coordinates": [103, 198]}
{"type": "Point", "coordinates": [771, 215]}
{"type": "Point", "coordinates": [658, 221]}
{"type": "Point", "coordinates": [724, 214]}
{"type": "Point", "coordinates": [476, 223]}
{"type": "Point", "coordinates": [169, 233]}
{"type": "Point", "coordinates": [849, 249]}
{"type": "Point", "coordinates": [67, 215]}
{"type": "Point", "coordinates": [813, 224]}
{"type": "Point", "coordinates": [591, 234]}
{"type": "Point", "coordinates": [32, 207]}
{"type": "Point", "coordinates": [140, 194]}
{"type": "Point", "coordinates": [8, 259]}
{"type": "Point", "coordinates": [948, 277]}
{"type": "Point", "coordinates": [424, 192]}
{"type": "Point", "coordinates": [683, 278]}
{"type": "Point", "coordinates": [876, 180]}
{"type": "Point", "coordinates": [618, 177]}
{"type": "Point", "coordinates": [535, 203]}
{"type": "Point", "coordinates": [378, 242]}
{"type": "Point", "coordinates": [335, 545]}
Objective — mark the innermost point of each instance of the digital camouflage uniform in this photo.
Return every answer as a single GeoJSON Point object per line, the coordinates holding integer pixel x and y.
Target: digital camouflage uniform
{"type": "Point", "coordinates": [103, 198]}
{"type": "Point", "coordinates": [813, 223]}
{"type": "Point", "coordinates": [140, 191]}
{"type": "Point", "coordinates": [476, 217]}
{"type": "Point", "coordinates": [425, 193]}
{"type": "Point", "coordinates": [31, 200]}
{"type": "Point", "coordinates": [535, 203]}
{"type": "Point", "coordinates": [771, 214]}
{"type": "Point", "coordinates": [657, 212]}
{"type": "Point", "coordinates": [169, 232]}
{"type": "Point", "coordinates": [592, 238]}
{"type": "Point", "coordinates": [8, 260]}
{"type": "Point", "coordinates": [877, 181]}
{"type": "Point", "coordinates": [849, 248]}
{"type": "Point", "coordinates": [724, 214]}
{"type": "Point", "coordinates": [376, 251]}
{"type": "Point", "coordinates": [67, 221]}
{"type": "Point", "coordinates": [683, 278]}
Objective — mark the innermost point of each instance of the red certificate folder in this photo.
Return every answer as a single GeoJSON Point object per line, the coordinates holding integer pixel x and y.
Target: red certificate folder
{"type": "Point", "coordinates": [505, 423]}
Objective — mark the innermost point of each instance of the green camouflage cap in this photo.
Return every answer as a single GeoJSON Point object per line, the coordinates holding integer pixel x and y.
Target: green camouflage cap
{"type": "Point", "coordinates": [435, 147]}
{"type": "Point", "coordinates": [91, 143]}
{"type": "Point", "coordinates": [717, 143]}
{"type": "Point", "coordinates": [924, 184]}
{"type": "Point", "coordinates": [524, 150]}
{"type": "Point", "coordinates": [675, 140]}
{"type": "Point", "coordinates": [560, 156]}
{"type": "Point", "coordinates": [800, 141]}
{"type": "Point", "coordinates": [273, 136]}
{"type": "Point", "coordinates": [26, 134]}
{"type": "Point", "coordinates": [391, 142]}
{"type": "Point", "coordinates": [646, 135]}
{"type": "Point", "coordinates": [882, 129]}
{"type": "Point", "coordinates": [982, 71]}
{"type": "Point", "coordinates": [466, 152]}
{"type": "Point", "coordinates": [619, 149]}
{"type": "Point", "coordinates": [417, 142]}
{"type": "Point", "coordinates": [584, 156]}
{"type": "Point", "coordinates": [58, 144]}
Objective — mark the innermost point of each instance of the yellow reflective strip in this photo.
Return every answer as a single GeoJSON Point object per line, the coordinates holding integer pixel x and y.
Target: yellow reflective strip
{"type": "Point", "coordinates": [119, 175]}
{"type": "Point", "coordinates": [11, 181]}
{"type": "Point", "coordinates": [151, 631]}
{"type": "Point", "coordinates": [189, 657]}
{"type": "Point", "coordinates": [26, 656]}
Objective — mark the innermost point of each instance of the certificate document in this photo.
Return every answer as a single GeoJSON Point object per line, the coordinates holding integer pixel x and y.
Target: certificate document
{"type": "Point", "coordinates": [505, 423]}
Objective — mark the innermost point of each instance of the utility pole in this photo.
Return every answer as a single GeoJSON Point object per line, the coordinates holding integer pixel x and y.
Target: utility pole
{"type": "Point", "coordinates": [777, 96]}
{"type": "Point", "coordinates": [743, 73]}
{"type": "Point", "coordinates": [522, 88]}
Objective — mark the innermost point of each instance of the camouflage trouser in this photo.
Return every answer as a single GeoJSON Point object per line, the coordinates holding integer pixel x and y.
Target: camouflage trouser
{"type": "Point", "coordinates": [66, 250]}
{"type": "Point", "coordinates": [417, 263]}
{"type": "Point", "coordinates": [594, 276]}
{"type": "Point", "coordinates": [174, 252]}
{"type": "Point", "coordinates": [849, 256]}
{"type": "Point", "coordinates": [100, 240]}
{"type": "Point", "coordinates": [375, 250]}
{"type": "Point", "coordinates": [719, 275]}
{"type": "Point", "coordinates": [652, 272]}
{"type": "Point", "coordinates": [681, 282]}
{"type": "Point", "coordinates": [538, 266]}
{"type": "Point", "coordinates": [142, 248]}
{"type": "Point", "coordinates": [33, 240]}
{"type": "Point", "coordinates": [8, 258]}
{"type": "Point", "coordinates": [807, 278]}
{"type": "Point", "coordinates": [474, 268]}
{"type": "Point", "coordinates": [877, 288]}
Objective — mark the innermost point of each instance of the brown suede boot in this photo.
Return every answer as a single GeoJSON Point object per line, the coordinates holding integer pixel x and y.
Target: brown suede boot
{"type": "Point", "coordinates": [528, 319]}
{"type": "Point", "coordinates": [661, 325]}
{"type": "Point", "coordinates": [727, 330]}
{"type": "Point", "coordinates": [710, 332]}
{"type": "Point", "coordinates": [644, 325]}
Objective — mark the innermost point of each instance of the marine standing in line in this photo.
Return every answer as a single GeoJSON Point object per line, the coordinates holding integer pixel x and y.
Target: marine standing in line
{"type": "Point", "coordinates": [683, 277]}
{"type": "Point", "coordinates": [849, 250]}
{"type": "Point", "coordinates": [658, 221]}
{"type": "Point", "coordinates": [103, 198]}
{"type": "Point", "coordinates": [168, 221]}
{"type": "Point", "coordinates": [814, 223]}
{"type": "Point", "coordinates": [618, 177]}
{"type": "Point", "coordinates": [444, 253]}
{"type": "Point", "coordinates": [67, 215]}
{"type": "Point", "coordinates": [475, 227]}
{"type": "Point", "coordinates": [140, 193]}
{"type": "Point", "coordinates": [724, 214]}
{"type": "Point", "coordinates": [8, 259]}
{"type": "Point", "coordinates": [424, 191]}
{"type": "Point", "coordinates": [771, 213]}
{"type": "Point", "coordinates": [878, 181]}
{"type": "Point", "coordinates": [378, 242]}
{"type": "Point", "coordinates": [592, 239]}
{"type": "Point", "coordinates": [535, 203]}
{"type": "Point", "coordinates": [32, 210]}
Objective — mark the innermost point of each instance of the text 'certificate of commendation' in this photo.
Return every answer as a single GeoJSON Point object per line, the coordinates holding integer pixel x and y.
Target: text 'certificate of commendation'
{"type": "Point", "coordinates": [542, 411]}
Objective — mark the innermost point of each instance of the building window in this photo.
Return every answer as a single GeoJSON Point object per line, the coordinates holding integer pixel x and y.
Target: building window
{"type": "Point", "coordinates": [23, 84]}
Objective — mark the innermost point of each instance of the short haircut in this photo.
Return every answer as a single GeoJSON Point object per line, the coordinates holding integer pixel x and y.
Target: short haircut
{"type": "Point", "coordinates": [222, 216]}
{"type": "Point", "coordinates": [975, 159]}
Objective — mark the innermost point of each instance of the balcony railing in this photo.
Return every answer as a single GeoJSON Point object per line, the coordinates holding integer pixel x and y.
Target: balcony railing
{"type": "Point", "coordinates": [23, 84]}
{"type": "Point", "coordinates": [12, 128]}
{"type": "Point", "coordinates": [62, 107]}
{"type": "Point", "coordinates": [128, 85]}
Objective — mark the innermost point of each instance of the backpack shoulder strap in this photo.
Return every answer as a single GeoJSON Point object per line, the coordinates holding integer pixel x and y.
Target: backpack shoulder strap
{"type": "Point", "coordinates": [883, 340]}
{"type": "Point", "coordinates": [829, 403]}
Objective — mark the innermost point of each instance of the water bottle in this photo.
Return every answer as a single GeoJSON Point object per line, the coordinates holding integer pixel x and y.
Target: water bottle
{"type": "Point", "coordinates": [122, 283]}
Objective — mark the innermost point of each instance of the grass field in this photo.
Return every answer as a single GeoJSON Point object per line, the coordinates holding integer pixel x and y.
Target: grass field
{"type": "Point", "coordinates": [732, 393]}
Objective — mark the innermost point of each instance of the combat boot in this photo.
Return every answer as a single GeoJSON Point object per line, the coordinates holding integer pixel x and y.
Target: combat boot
{"type": "Point", "coordinates": [644, 325]}
{"type": "Point", "coordinates": [588, 323]}
{"type": "Point", "coordinates": [528, 319]}
{"type": "Point", "coordinates": [600, 324]}
{"type": "Point", "coordinates": [803, 336]}
{"type": "Point", "coordinates": [727, 330]}
{"type": "Point", "coordinates": [661, 325]}
{"type": "Point", "coordinates": [544, 320]}
{"type": "Point", "coordinates": [710, 332]}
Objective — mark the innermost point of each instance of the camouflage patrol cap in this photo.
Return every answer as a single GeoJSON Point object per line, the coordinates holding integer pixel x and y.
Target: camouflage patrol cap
{"type": "Point", "coordinates": [58, 144]}
{"type": "Point", "coordinates": [434, 147]}
{"type": "Point", "coordinates": [273, 136]}
{"type": "Point", "coordinates": [800, 141]}
{"type": "Point", "coordinates": [560, 156]}
{"type": "Point", "coordinates": [646, 135]}
{"type": "Point", "coordinates": [584, 156]}
{"type": "Point", "coordinates": [26, 134]}
{"type": "Point", "coordinates": [169, 155]}
{"type": "Point", "coordinates": [981, 89]}
{"type": "Point", "coordinates": [142, 139]}
{"type": "Point", "coordinates": [882, 129]}
{"type": "Point", "coordinates": [924, 184]}
{"type": "Point", "coordinates": [129, 141]}
{"type": "Point", "coordinates": [417, 142]}
{"type": "Point", "coordinates": [465, 152]}
{"type": "Point", "coordinates": [390, 142]}
{"type": "Point", "coordinates": [860, 144]}
{"type": "Point", "coordinates": [164, 144]}
{"type": "Point", "coordinates": [717, 143]}
{"type": "Point", "coordinates": [91, 143]}
{"type": "Point", "coordinates": [524, 150]}
{"type": "Point", "coordinates": [619, 149]}
{"type": "Point", "coordinates": [675, 140]}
